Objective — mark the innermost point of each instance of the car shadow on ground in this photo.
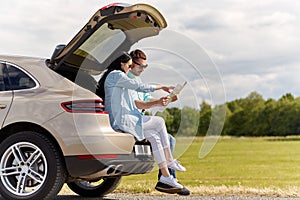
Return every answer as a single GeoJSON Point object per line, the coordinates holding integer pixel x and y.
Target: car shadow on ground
{"type": "Point", "coordinates": [71, 197]}
{"type": "Point", "coordinates": [76, 197]}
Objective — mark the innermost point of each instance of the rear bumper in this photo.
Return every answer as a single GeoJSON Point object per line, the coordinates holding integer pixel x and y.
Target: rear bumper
{"type": "Point", "coordinates": [95, 168]}
{"type": "Point", "coordinates": [92, 167]}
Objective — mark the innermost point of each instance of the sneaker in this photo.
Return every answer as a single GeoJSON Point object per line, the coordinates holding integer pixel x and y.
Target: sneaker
{"type": "Point", "coordinates": [170, 181]}
{"type": "Point", "coordinates": [176, 166]}
{"type": "Point", "coordinates": [184, 192]}
{"type": "Point", "coordinates": [167, 188]}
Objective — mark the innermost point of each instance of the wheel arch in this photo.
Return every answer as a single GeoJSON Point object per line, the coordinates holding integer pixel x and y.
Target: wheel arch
{"type": "Point", "coordinates": [28, 126]}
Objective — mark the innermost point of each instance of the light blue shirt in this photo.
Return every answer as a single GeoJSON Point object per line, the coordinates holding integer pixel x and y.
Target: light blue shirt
{"type": "Point", "coordinates": [143, 96]}
{"type": "Point", "coordinates": [119, 103]}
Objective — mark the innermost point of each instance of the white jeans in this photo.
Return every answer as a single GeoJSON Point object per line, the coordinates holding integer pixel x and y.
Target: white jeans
{"type": "Point", "coordinates": [155, 131]}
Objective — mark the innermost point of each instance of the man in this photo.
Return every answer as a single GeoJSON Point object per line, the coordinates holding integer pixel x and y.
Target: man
{"type": "Point", "coordinates": [145, 101]}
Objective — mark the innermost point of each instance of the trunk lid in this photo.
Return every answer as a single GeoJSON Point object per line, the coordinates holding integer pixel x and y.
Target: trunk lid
{"type": "Point", "coordinates": [111, 30]}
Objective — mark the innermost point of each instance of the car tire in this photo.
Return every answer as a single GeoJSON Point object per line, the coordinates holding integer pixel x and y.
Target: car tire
{"type": "Point", "coordinates": [31, 167]}
{"type": "Point", "coordinates": [97, 188]}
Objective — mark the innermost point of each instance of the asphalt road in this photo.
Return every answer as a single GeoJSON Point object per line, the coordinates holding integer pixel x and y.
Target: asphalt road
{"type": "Point", "coordinates": [166, 197]}
{"type": "Point", "coordinates": [169, 197]}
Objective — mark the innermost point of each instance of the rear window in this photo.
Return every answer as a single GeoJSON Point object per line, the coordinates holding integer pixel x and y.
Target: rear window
{"type": "Point", "coordinates": [101, 44]}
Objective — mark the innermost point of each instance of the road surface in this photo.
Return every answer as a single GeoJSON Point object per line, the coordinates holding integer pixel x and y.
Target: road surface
{"type": "Point", "coordinates": [121, 196]}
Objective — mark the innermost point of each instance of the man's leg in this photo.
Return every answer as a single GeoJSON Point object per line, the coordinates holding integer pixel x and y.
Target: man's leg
{"type": "Point", "coordinates": [172, 147]}
{"type": "Point", "coordinates": [184, 191]}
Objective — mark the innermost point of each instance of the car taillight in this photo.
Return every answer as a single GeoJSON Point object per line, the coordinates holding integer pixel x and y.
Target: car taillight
{"type": "Point", "coordinates": [114, 5]}
{"type": "Point", "coordinates": [84, 106]}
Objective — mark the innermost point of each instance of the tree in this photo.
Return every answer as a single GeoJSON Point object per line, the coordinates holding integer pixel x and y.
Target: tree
{"type": "Point", "coordinates": [250, 116]}
{"type": "Point", "coordinates": [244, 112]}
{"type": "Point", "coordinates": [189, 121]}
{"type": "Point", "coordinates": [204, 119]}
{"type": "Point", "coordinates": [173, 126]}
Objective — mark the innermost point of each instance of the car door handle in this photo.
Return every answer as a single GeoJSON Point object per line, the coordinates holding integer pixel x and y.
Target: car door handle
{"type": "Point", "coordinates": [2, 106]}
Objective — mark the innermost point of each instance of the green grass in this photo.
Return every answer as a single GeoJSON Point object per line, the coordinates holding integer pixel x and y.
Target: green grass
{"type": "Point", "coordinates": [253, 163]}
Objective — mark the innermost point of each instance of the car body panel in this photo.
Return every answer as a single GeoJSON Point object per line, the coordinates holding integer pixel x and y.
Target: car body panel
{"type": "Point", "coordinates": [5, 96]}
{"type": "Point", "coordinates": [36, 101]}
{"type": "Point", "coordinates": [6, 99]}
{"type": "Point", "coordinates": [75, 133]}
{"type": "Point", "coordinates": [87, 134]}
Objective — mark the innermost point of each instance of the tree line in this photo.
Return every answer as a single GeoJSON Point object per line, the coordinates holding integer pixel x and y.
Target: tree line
{"type": "Point", "coordinates": [250, 116]}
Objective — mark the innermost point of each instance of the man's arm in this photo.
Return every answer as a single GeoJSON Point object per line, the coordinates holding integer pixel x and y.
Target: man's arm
{"type": "Point", "coordinates": [163, 101]}
{"type": "Point", "coordinates": [153, 102]}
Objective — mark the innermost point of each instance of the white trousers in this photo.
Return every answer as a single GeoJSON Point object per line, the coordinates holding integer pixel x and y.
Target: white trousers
{"type": "Point", "coordinates": [155, 131]}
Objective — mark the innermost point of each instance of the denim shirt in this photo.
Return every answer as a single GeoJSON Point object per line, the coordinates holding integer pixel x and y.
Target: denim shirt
{"type": "Point", "coordinates": [123, 113]}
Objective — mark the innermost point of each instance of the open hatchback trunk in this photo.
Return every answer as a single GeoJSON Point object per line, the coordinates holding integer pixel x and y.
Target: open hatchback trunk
{"type": "Point", "coordinates": [111, 30]}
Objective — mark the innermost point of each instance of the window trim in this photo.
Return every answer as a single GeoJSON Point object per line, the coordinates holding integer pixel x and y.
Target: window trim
{"type": "Point", "coordinates": [37, 84]}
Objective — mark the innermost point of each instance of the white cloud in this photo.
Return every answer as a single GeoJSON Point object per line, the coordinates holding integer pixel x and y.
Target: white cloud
{"type": "Point", "coordinates": [243, 84]}
{"type": "Point", "coordinates": [35, 27]}
{"type": "Point", "coordinates": [255, 44]}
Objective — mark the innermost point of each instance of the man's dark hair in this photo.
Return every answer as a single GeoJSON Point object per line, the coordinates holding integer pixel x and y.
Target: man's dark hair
{"type": "Point", "coordinates": [136, 54]}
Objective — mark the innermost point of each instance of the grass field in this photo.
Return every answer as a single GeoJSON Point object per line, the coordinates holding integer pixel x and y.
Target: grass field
{"type": "Point", "coordinates": [260, 166]}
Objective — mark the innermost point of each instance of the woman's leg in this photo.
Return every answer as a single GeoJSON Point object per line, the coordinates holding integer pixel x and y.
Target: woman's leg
{"type": "Point", "coordinates": [157, 148]}
{"type": "Point", "coordinates": [156, 132]}
{"type": "Point", "coordinates": [157, 125]}
{"type": "Point", "coordinates": [158, 153]}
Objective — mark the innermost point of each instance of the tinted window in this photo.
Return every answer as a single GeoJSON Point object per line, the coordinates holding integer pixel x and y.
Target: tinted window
{"type": "Point", "coordinates": [101, 44]}
{"type": "Point", "coordinates": [18, 79]}
{"type": "Point", "coordinates": [4, 82]}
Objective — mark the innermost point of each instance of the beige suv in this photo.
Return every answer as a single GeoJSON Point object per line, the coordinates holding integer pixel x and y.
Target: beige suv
{"type": "Point", "coordinates": [54, 129]}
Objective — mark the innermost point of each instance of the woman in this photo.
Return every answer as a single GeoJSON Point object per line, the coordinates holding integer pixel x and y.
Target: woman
{"type": "Point", "coordinates": [125, 116]}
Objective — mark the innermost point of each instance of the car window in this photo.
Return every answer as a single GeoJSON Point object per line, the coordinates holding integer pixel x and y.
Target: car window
{"type": "Point", "coordinates": [19, 80]}
{"type": "Point", "coordinates": [93, 54]}
{"type": "Point", "coordinates": [102, 43]}
{"type": "Point", "coordinates": [4, 83]}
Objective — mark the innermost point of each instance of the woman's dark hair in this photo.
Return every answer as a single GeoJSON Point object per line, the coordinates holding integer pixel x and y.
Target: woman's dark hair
{"type": "Point", "coordinates": [115, 65]}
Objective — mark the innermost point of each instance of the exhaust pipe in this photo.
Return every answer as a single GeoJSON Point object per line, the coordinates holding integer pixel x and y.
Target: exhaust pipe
{"type": "Point", "coordinates": [114, 170]}
{"type": "Point", "coordinates": [111, 170]}
{"type": "Point", "coordinates": [118, 169]}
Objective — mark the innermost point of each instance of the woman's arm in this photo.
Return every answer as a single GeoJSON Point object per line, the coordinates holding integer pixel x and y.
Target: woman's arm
{"type": "Point", "coordinates": [128, 83]}
{"type": "Point", "coordinates": [167, 89]}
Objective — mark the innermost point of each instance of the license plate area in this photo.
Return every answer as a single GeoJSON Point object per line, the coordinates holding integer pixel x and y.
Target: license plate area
{"type": "Point", "coordinates": [142, 150]}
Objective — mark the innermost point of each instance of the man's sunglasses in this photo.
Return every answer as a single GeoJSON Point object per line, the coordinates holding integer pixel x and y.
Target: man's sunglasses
{"type": "Point", "coordinates": [140, 65]}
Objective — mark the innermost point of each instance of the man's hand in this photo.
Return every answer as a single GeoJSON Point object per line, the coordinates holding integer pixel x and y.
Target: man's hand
{"type": "Point", "coordinates": [174, 98]}
{"type": "Point", "coordinates": [164, 101]}
{"type": "Point", "coordinates": [168, 89]}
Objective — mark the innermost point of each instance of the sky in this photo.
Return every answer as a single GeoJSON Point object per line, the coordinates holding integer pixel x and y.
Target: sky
{"type": "Point", "coordinates": [229, 47]}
